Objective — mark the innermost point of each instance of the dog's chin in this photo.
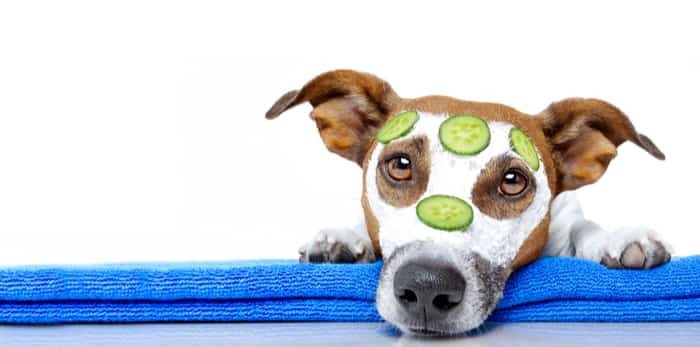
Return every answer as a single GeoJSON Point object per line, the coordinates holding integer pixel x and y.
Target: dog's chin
{"type": "Point", "coordinates": [436, 332]}
{"type": "Point", "coordinates": [423, 332]}
{"type": "Point", "coordinates": [440, 328]}
{"type": "Point", "coordinates": [484, 289]}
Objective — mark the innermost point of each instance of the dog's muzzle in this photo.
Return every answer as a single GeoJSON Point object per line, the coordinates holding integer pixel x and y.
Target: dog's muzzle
{"type": "Point", "coordinates": [429, 288]}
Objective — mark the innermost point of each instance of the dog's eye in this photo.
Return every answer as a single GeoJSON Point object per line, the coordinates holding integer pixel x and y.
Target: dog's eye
{"type": "Point", "coordinates": [399, 168]}
{"type": "Point", "coordinates": [513, 183]}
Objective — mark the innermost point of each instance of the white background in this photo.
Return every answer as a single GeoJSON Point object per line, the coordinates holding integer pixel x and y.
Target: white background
{"type": "Point", "coordinates": [134, 130]}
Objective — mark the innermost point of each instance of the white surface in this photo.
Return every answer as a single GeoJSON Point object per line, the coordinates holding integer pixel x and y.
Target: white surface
{"type": "Point", "coordinates": [134, 130]}
{"type": "Point", "coordinates": [348, 334]}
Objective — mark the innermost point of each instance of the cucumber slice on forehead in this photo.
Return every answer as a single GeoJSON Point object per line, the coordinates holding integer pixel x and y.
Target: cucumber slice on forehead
{"type": "Point", "coordinates": [522, 144]}
{"type": "Point", "coordinates": [398, 126]}
{"type": "Point", "coordinates": [465, 134]}
{"type": "Point", "coordinates": [445, 212]}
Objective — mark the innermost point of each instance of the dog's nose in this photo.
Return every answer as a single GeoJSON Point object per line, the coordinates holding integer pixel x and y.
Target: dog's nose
{"type": "Point", "coordinates": [425, 288]}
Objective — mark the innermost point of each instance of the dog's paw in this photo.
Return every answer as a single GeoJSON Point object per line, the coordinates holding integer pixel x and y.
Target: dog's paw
{"type": "Point", "coordinates": [337, 246]}
{"type": "Point", "coordinates": [635, 249]}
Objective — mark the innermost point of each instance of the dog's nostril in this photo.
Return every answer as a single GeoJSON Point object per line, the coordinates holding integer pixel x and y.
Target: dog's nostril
{"type": "Point", "coordinates": [444, 302]}
{"type": "Point", "coordinates": [408, 296]}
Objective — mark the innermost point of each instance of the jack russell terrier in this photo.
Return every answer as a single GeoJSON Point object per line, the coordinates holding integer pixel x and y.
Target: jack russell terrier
{"type": "Point", "coordinates": [458, 194]}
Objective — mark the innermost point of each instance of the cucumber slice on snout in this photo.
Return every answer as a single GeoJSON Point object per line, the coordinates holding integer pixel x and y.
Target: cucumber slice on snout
{"type": "Point", "coordinates": [445, 212]}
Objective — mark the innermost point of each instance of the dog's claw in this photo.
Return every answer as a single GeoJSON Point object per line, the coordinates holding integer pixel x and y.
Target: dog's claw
{"type": "Point", "coordinates": [610, 262]}
{"type": "Point", "coordinates": [337, 246]}
{"type": "Point", "coordinates": [358, 249]}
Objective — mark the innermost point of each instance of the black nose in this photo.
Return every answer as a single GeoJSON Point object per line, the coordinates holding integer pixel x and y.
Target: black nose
{"type": "Point", "coordinates": [427, 288]}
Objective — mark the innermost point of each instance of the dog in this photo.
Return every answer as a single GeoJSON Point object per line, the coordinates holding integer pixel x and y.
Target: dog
{"type": "Point", "coordinates": [458, 194]}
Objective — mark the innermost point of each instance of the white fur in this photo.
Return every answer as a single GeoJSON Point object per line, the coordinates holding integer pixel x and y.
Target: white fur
{"type": "Point", "coordinates": [571, 234]}
{"type": "Point", "coordinates": [355, 239]}
{"type": "Point", "coordinates": [496, 240]}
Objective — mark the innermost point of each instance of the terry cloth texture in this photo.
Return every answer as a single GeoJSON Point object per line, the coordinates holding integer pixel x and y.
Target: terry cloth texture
{"type": "Point", "coordinates": [551, 290]}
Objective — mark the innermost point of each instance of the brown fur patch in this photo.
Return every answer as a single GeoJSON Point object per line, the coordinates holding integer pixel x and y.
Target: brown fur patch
{"type": "Point", "coordinates": [372, 226]}
{"type": "Point", "coordinates": [370, 219]}
{"type": "Point", "coordinates": [532, 248]}
{"type": "Point", "coordinates": [404, 193]}
{"type": "Point", "coordinates": [349, 108]}
{"type": "Point", "coordinates": [583, 161]}
{"type": "Point", "coordinates": [584, 135]}
{"type": "Point", "coordinates": [490, 201]}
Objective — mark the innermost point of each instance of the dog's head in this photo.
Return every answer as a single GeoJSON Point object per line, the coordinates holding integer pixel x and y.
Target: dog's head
{"type": "Point", "coordinates": [456, 193]}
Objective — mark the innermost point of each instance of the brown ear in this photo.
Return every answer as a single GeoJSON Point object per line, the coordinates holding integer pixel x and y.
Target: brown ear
{"type": "Point", "coordinates": [349, 108]}
{"type": "Point", "coordinates": [584, 135]}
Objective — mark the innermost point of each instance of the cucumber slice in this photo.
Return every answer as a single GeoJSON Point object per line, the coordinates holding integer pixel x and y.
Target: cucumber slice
{"type": "Point", "coordinates": [465, 134]}
{"type": "Point", "coordinates": [398, 126]}
{"type": "Point", "coordinates": [522, 144]}
{"type": "Point", "coordinates": [445, 212]}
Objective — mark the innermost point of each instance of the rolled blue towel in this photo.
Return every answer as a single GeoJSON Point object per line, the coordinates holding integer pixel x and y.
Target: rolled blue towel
{"type": "Point", "coordinates": [551, 289]}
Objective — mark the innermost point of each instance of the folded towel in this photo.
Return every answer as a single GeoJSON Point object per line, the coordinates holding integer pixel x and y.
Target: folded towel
{"type": "Point", "coordinates": [551, 289]}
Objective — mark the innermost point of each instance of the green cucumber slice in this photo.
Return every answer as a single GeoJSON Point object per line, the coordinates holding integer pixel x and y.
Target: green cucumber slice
{"type": "Point", "coordinates": [522, 144]}
{"type": "Point", "coordinates": [445, 212]}
{"type": "Point", "coordinates": [398, 126]}
{"type": "Point", "coordinates": [465, 134]}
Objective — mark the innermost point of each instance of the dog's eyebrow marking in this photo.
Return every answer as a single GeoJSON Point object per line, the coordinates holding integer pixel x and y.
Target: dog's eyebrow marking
{"type": "Point", "coordinates": [419, 144]}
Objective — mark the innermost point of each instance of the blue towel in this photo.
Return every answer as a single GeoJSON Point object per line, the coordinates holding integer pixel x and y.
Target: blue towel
{"type": "Point", "coordinates": [551, 289]}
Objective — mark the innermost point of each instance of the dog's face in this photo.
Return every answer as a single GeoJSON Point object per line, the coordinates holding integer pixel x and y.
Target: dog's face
{"type": "Point", "coordinates": [457, 194]}
{"type": "Point", "coordinates": [508, 199]}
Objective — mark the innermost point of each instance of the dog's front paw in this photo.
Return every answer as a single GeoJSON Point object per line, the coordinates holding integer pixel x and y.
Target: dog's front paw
{"type": "Point", "coordinates": [337, 246]}
{"type": "Point", "coordinates": [635, 249]}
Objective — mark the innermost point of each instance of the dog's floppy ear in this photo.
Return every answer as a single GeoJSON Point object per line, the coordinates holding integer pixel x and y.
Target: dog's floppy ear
{"type": "Point", "coordinates": [584, 135]}
{"type": "Point", "coordinates": [349, 108]}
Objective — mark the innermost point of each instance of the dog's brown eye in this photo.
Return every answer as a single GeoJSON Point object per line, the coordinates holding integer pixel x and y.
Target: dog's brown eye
{"type": "Point", "coordinates": [513, 183]}
{"type": "Point", "coordinates": [399, 168]}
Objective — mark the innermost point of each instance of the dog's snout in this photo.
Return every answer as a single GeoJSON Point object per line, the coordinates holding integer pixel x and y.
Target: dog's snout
{"type": "Point", "coordinates": [427, 290]}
